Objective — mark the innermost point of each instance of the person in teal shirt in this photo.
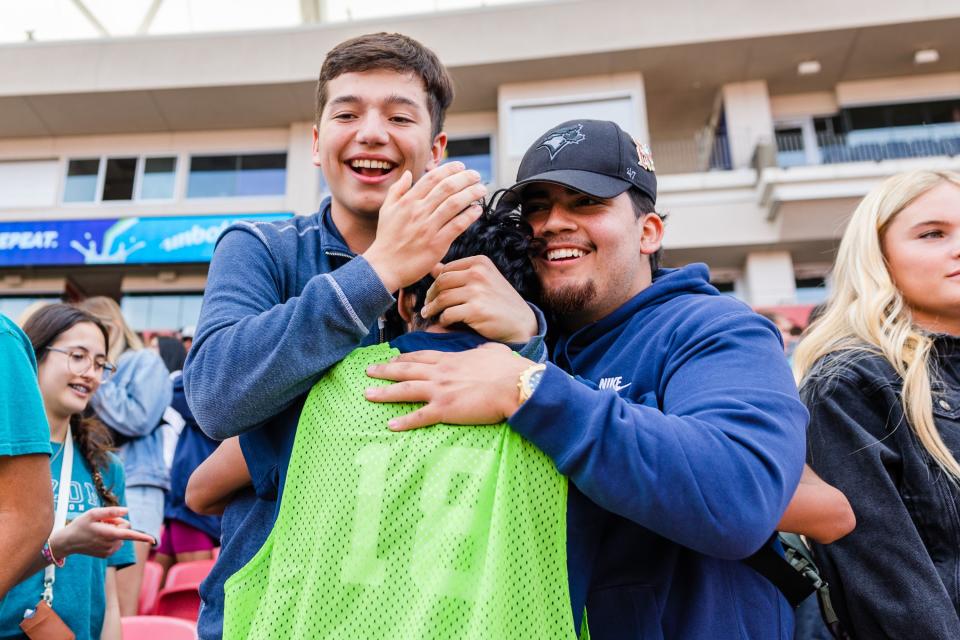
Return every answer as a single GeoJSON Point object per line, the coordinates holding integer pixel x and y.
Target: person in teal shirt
{"type": "Point", "coordinates": [24, 450]}
{"type": "Point", "coordinates": [69, 346]}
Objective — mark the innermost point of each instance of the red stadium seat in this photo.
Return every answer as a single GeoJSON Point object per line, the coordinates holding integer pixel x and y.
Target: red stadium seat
{"type": "Point", "coordinates": [155, 627]}
{"type": "Point", "coordinates": [149, 587]}
{"type": "Point", "coordinates": [182, 601]}
{"type": "Point", "coordinates": [192, 572]}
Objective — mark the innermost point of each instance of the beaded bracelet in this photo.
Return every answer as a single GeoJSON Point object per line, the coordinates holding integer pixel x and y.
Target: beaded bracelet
{"type": "Point", "coordinates": [47, 554]}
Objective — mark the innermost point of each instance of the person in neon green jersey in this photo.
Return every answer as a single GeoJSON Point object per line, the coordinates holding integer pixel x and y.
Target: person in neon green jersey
{"type": "Point", "coordinates": [450, 533]}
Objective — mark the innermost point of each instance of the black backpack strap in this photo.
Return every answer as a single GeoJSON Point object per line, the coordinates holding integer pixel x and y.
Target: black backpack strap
{"type": "Point", "coordinates": [796, 576]}
{"type": "Point", "coordinates": [792, 583]}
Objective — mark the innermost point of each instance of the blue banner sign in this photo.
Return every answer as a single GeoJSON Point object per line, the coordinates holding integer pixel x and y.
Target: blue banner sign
{"type": "Point", "coordinates": [116, 241]}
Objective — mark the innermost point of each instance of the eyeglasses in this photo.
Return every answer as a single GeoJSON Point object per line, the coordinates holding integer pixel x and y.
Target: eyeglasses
{"type": "Point", "coordinates": [79, 362]}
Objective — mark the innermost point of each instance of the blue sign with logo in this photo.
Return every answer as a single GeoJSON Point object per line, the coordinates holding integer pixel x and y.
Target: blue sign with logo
{"type": "Point", "coordinates": [116, 241]}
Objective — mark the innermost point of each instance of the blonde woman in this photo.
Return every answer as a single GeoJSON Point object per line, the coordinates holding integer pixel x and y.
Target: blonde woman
{"type": "Point", "coordinates": [131, 403]}
{"type": "Point", "coordinates": [880, 373]}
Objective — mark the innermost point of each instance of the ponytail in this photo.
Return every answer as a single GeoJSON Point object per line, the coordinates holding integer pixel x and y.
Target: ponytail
{"type": "Point", "coordinates": [94, 443]}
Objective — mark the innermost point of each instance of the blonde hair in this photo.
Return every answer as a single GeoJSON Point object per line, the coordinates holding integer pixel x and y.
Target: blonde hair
{"type": "Point", "coordinates": [122, 337]}
{"type": "Point", "coordinates": [31, 309]}
{"type": "Point", "coordinates": [867, 313]}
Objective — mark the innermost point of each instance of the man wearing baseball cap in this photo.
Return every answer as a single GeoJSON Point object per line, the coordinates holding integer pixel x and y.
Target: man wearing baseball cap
{"type": "Point", "coordinates": [669, 407]}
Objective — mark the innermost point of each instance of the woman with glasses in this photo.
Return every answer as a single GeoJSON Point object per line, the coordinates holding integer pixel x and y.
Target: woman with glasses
{"type": "Point", "coordinates": [74, 574]}
{"type": "Point", "coordinates": [132, 403]}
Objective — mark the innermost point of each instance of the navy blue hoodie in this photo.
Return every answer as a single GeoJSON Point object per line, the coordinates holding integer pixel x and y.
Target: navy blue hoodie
{"type": "Point", "coordinates": [193, 447]}
{"type": "Point", "coordinates": [683, 437]}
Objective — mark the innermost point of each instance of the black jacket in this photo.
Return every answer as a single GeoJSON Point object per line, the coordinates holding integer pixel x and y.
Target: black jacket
{"type": "Point", "coordinates": [898, 574]}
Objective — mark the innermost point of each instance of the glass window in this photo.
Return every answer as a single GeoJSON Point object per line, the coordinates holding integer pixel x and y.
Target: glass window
{"type": "Point", "coordinates": [260, 174]}
{"type": "Point", "coordinates": [475, 154]}
{"type": "Point", "coordinates": [811, 290]}
{"type": "Point", "coordinates": [136, 310]}
{"type": "Point", "coordinates": [13, 307]}
{"type": "Point", "coordinates": [903, 115]}
{"type": "Point", "coordinates": [190, 310]}
{"type": "Point", "coordinates": [158, 178]}
{"type": "Point", "coordinates": [211, 176]}
{"type": "Point", "coordinates": [118, 183]}
{"type": "Point", "coordinates": [81, 183]}
{"type": "Point", "coordinates": [119, 179]}
{"type": "Point", "coordinates": [164, 312]}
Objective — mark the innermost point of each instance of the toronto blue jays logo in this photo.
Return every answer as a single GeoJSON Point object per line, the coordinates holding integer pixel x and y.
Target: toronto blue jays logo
{"type": "Point", "coordinates": [557, 140]}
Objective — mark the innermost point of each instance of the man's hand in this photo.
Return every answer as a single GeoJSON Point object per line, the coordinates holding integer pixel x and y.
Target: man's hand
{"type": "Point", "coordinates": [478, 386]}
{"type": "Point", "coordinates": [473, 292]}
{"type": "Point", "coordinates": [418, 222]}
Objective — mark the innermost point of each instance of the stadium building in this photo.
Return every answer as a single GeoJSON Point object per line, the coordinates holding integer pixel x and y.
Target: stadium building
{"type": "Point", "coordinates": [122, 157]}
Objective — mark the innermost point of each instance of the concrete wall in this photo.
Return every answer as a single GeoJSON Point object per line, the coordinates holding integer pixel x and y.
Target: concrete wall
{"type": "Point", "coordinates": [573, 97]}
{"type": "Point", "coordinates": [908, 89]}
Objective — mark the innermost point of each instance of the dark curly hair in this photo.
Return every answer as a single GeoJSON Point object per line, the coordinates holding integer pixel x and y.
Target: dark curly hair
{"type": "Point", "coordinates": [504, 237]}
{"type": "Point", "coordinates": [91, 436]}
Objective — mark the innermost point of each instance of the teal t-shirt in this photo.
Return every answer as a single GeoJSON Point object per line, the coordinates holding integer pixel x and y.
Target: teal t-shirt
{"type": "Point", "coordinates": [78, 592]}
{"type": "Point", "coordinates": [23, 423]}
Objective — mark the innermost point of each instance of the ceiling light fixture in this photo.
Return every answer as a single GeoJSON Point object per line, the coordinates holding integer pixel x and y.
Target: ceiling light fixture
{"type": "Point", "coordinates": [808, 67]}
{"type": "Point", "coordinates": [926, 56]}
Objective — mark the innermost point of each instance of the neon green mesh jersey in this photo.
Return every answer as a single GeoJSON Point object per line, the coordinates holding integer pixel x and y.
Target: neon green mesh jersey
{"type": "Point", "coordinates": [440, 533]}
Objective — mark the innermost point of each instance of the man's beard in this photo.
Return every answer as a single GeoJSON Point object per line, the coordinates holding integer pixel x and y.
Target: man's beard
{"type": "Point", "coordinates": [569, 298]}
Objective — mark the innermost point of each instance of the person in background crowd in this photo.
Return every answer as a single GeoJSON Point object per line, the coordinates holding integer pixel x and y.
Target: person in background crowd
{"type": "Point", "coordinates": [186, 336]}
{"type": "Point", "coordinates": [26, 509]}
{"type": "Point", "coordinates": [789, 332]}
{"type": "Point", "coordinates": [187, 535]}
{"type": "Point", "coordinates": [78, 561]}
{"type": "Point", "coordinates": [171, 351]}
{"type": "Point", "coordinates": [880, 374]}
{"type": "Point", "coordinates": [131, 402]}
{"type": "Point", "coordinates": [173, 354]}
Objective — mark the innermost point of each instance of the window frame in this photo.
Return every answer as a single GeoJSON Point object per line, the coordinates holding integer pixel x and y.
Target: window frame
{"type": "Point", "coordinates": [233, 152]}
{"type": "Point", "coordinates": [507, 108]}
{"type": "Point", "coordinates": [141, 170]}
{"type": "Point", "coordinates": [102, 178]}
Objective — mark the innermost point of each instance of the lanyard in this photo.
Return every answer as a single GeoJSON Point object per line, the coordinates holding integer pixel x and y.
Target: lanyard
{"type": "Point", "coordinates": [63, 503]}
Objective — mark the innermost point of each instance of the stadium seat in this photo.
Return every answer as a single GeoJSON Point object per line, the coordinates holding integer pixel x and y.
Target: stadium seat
{"type": "Point", "coordinates": [897, 150]}
{"type": "Point", "coordinates": [926, 147]}
{"type": "Point", "coordinates": [154, 627]}
{"type": "Point", "coordinates": [149, 587]}
{"type": "Point", "coordinates": [182, 601]}
{"type": "Point", "coordinates": [866, 152]}
{"type": "Point", "coordinates": [192, 572]}
{"type": "Point", "coordinates": [951, 146]}
{"type": "Point", "coordinates": [835, 153]}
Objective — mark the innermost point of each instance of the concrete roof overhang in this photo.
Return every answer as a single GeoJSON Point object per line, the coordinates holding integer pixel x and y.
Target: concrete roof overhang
{"type": "Point", "coordinates": [266, 78]}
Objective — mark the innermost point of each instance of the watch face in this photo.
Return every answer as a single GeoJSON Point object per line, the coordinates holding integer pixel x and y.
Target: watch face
{"type": "Point", "coordinates": [535, 378]}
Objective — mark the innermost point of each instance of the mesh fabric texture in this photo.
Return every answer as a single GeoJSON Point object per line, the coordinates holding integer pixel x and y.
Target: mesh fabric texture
{"type": "Point", "coordinates": [439, 533]}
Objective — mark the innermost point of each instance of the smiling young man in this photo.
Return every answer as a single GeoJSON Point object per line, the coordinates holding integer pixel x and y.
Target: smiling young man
{"type": "Point", "coordinates": [286, 301]}
{"type": "Point", "coordinates": [668, 406]}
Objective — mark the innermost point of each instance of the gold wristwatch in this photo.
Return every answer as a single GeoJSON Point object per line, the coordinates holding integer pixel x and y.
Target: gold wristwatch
{"type": "Point", "coordinates": [529, 380]}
